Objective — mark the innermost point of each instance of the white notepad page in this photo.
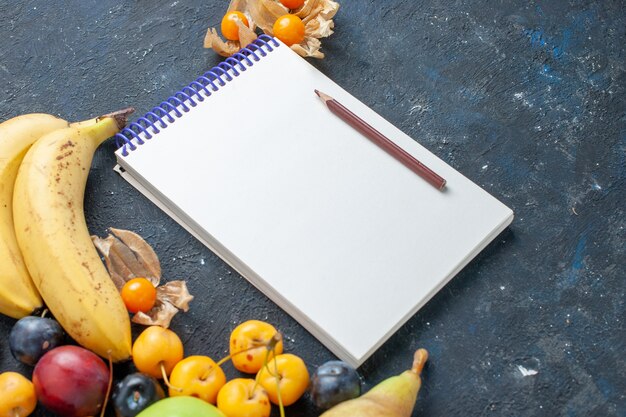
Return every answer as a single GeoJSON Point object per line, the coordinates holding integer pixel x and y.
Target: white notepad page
{"type": "Point", "coordinates": [337, 232]}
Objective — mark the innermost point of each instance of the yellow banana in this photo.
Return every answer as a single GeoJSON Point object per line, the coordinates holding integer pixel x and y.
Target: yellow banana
{"type": "Point", "coordinates": [55, 242]}
{"type": "Point", "coordinates": [18, 295]}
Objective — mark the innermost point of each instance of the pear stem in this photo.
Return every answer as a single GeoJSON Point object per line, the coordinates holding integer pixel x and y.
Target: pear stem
{"type": "Point", "coordinates": [419, 359]}
{"type": "Point", "coordinates": [120, 116]}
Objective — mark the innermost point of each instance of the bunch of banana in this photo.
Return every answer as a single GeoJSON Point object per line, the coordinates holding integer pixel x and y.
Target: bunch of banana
{"type": "Point", "coordinates": [18, 295]}
{"type": "Point", "coordinates": [46, 191]}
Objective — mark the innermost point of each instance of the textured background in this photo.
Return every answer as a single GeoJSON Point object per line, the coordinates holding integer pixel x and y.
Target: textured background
{"type": "Point", "coordinates": [526, 98]}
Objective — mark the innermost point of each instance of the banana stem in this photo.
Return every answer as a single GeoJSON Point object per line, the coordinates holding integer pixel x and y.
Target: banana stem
{"type": "Point", "coordinates": [120, 116]}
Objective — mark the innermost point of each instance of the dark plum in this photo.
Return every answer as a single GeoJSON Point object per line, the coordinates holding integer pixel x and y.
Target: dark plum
{"type": "Point", "coordinates": [334, 382]}
{"type": "Point", "coordinates": [31, 337]}
{"type": "Point", "coordinates": [134, 393]}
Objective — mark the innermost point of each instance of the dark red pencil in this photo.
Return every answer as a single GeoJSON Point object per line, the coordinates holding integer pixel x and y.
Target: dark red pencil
{"type": "Point", "coordinates": [382, 141]}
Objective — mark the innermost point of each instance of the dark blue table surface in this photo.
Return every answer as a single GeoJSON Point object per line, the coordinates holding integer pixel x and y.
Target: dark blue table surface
{"type": "Point", "coordinates": [526, 98]}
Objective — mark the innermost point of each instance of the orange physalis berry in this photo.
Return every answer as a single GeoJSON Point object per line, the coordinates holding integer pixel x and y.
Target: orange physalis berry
{"type": "Point", "coordinates": [230, 30]}
{"type": "Point", "coordinates": [292, 4]}
{"type": "Point", "coordinates": [139, 295]}
{"type": "Point", "coordinates": [289, 29]}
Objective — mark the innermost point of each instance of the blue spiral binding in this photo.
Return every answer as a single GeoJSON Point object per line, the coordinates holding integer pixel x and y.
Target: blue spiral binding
{"type": "Point", "coordinates": [170, 110]}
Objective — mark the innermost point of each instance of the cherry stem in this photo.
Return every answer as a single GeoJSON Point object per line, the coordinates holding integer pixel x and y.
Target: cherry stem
{"type": "Point", "coordinates": [226, 358]}
{"type": "Point", "coordinates": [270, 345]}
{"type": "Point", "coordinates": [271, 348]}
{"type": "Point", "coordinates": [167, 382]}
{"type": "Point", "coordinates": [43, 315]}
{"type": "Point", "coordinates": [109, 385]}
{"type": "Point", "coordinates": [205, 375]}
{"type": "Point", "coordinates": [280, 398]}
{"type": "Point", "coordinates": [265, 362]}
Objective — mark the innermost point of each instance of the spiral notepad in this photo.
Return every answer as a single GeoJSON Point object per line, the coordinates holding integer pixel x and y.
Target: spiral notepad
{"type": "Point", "coordinates": [336, 231]}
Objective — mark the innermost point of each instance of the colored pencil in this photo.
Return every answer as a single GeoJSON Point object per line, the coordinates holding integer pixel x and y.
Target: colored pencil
{"type": "Point", "coordinates": [382, 141]}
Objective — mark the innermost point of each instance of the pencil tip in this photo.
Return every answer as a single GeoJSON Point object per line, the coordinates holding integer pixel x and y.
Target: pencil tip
{"type": "Point", "coordinates": [324, 97]}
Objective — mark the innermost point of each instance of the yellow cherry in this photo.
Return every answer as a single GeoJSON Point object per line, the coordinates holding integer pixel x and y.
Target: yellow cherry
{"type": "Point", "coordinates": [156, 351]}
{"type": "Point", "coordinates": [197, 376]}
{"type": "Point", "coordinates": [293, 378]}
{"type": "Point", "coordinates": [17, 395]}
{"type": "Point", "coordinates": [242, 397]}
{"type": "Point", "coordinates": [248, 345]}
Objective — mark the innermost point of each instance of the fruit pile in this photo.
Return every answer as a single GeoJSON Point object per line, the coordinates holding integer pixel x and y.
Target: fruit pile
{"type": "Point", "coordinates": [300, 24]}
{"type": "Point", "coordinates": [71, 381]}
{"type": "Point", "coordinates": [48, 257]}
{"type": "Point", "coordinates": [255, 348]}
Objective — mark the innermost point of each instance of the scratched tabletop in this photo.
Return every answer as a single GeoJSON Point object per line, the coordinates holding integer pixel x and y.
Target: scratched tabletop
{"type": "Point", "coordinates": [526, 98]}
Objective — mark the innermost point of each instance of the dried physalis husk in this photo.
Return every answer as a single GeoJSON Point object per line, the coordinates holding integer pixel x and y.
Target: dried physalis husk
{"type": "Point", "coordinates": [171, 297]}
{"type": "Point", "coordinates": [309, 48]}
{"type": "Point", "coordinates": [265, 12]}
{"type": "Point", "coordinates": [316, 15]}
{"type": "Point", "coordinates": [246, 34]}
{"type": "Point", "coordinates": [127, 255]}
{"type": "Point", "coordinates": [214, 41]}
{"type": "Point", "coordinates": [160, 315]}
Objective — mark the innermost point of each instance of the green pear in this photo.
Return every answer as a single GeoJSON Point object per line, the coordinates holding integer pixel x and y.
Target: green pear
{"type": "Point", "coordinates": [181, 407]}
{"type": "Point", "coordinates": [394, 397]}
